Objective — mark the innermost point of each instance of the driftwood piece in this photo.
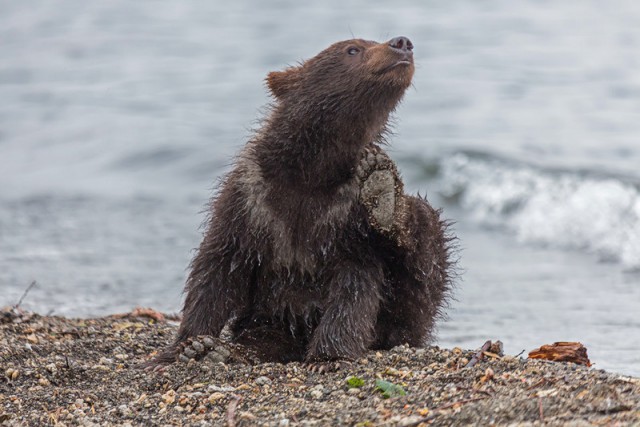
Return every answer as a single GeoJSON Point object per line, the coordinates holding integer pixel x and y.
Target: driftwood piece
{"type": "Point", "coordinates": [143, 312]}
{"type": "Point", "coordinates": [562, 352]}
{"type": "Point", "coordinates": [479, 355]}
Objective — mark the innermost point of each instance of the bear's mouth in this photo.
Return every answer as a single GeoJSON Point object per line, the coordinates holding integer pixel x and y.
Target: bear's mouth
{"type": "Point", "coordinates": [402, 62]}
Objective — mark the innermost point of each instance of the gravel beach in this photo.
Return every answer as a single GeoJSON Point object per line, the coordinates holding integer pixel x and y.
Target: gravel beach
{"type": "Point", "coordinates": [61, 371]}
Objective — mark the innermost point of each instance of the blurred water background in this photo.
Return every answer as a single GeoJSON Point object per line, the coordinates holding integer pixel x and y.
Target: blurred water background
{"type": "Point", "coordinates": [523, 124]}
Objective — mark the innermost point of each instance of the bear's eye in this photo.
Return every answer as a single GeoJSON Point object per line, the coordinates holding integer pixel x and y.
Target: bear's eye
{"type": "Point", "coordinates": [353, 51]}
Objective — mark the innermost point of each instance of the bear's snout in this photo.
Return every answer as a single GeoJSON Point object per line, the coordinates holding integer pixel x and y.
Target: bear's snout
{"type": "Point", "coordinates": [402, 44]}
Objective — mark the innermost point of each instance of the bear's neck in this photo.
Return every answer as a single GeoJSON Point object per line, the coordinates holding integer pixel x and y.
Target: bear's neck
{"type": "Point", "coordinates": [317, 154]}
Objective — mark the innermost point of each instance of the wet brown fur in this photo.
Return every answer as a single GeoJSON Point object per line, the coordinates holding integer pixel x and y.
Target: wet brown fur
{"type": "Point", "coordinates": [289, 258]}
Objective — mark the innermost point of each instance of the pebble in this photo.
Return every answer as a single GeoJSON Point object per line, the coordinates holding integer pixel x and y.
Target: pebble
{"type": "Point", "coordinates": [208, 342]}
{"type": "Point", "coordinates": [212, 387]}
{"type": "Point", "coordinates": [199, 347]}
{"type": "Point", "coordinates": [214, 397]}
{"type": "Point", "coordinates": [411, 420]}
{"type": "Point", "coordinates": [263, 380]}
{"type": "Point", "coordinates": [12, 374]}
{"type": "Point", "coordinates": [169, 397]}
{"type": "Point", "coordinates": [316, 394]}
{"type": "Point", "coordinates": [123, 410]}
{"type": "Point", "coordinates": [189, 352]}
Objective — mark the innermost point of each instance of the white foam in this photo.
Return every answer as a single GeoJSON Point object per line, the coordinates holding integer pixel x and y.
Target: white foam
{"type": "Point", "coordinates": [561, 209]}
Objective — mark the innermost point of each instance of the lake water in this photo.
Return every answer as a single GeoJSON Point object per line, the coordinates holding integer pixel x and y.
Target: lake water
{"type": "Point", "coordinates": [116, 118]}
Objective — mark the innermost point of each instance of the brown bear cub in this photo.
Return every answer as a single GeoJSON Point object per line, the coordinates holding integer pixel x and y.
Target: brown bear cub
{"type": "Point", "coordinates": [312, 252]}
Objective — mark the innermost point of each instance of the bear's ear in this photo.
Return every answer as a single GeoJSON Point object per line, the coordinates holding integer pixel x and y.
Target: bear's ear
{"type": "Point", "coordinates": [281, 82]}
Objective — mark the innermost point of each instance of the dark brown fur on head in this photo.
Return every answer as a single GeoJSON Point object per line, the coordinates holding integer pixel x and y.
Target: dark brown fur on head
{"type": "Point", "coordinates": [289, 256]}
{"type": "Point", "coordinates": [353, 82]}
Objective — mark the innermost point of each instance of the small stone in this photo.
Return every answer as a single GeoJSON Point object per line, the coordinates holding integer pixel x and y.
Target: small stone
{"type": "Point", "coordinates": [189, 352]}
{"type": "Point", "coordinates": [489, 374]}
{"type": "Point", "coordinates": [353, 391]}
{"type": "Point", "coordinates": [44, 382]}
{"type": "Point", "coordinates": [284, 422]}
{"type": "Point", "coordinates": [214, 397]}
{"type": "Point", "coordinates": [11, 373]}
{"type": "Point", "coordinates": [410, 420]}
{"type": "Point", "coordinates": [169, 397]}
{"type": "Point", "coordinates": [208, 342]}
{"type": "Point", "coordinates": [214, 388]}
{"type": "Point", "coordinates": [199, 347]}
{"type": "Point", "coordinates": [247, 416]}
{"type": "Point", "coordinates": [263, 380]}
{"type": "Point", "coordinates": [316, 394]}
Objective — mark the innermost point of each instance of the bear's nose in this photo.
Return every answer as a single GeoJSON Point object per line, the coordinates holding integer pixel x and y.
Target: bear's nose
{"type": "Point", "coordinates": [401, 43]}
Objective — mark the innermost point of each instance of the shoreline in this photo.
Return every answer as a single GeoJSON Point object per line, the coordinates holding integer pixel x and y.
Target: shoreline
{"type": "Point", "coordinates": [64, 371]}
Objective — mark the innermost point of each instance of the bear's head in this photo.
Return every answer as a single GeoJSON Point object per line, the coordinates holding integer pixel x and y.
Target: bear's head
{"type": "Point", "coordinates": [351, 71]}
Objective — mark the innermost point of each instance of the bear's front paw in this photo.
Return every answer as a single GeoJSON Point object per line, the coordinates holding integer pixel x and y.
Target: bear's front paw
{"type": "Point", "coordinates": [380, 188]}
{"type": "Point", "coordinates": [204, 347]}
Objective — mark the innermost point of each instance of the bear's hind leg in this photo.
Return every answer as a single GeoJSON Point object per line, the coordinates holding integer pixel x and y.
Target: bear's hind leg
{"type": "Point", "coordinates": [347, 326]}
{"type": "Point", "coordinates": [420, 279]}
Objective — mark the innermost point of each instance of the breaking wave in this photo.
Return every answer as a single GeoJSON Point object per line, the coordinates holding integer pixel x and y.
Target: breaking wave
{"type": "Point", "coordinates": [571, 209]}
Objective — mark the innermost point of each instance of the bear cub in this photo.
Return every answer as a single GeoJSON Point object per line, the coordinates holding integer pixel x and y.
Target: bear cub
{"type": "Point", "coordinates": [312, 251]}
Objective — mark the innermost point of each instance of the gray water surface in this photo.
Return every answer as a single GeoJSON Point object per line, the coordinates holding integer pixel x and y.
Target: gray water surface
{"type": "Point", "coordinates": [116, 119]}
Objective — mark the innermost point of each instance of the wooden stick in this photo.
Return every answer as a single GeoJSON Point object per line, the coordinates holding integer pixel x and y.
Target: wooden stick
{"type": "Point", "coordinates": [231, 411]}
{"type": "Point", "coordinates": [540, 408]}
{"type": "Point", "coordinates": [479, 354]}
{"type": "Point", "coordinates": [26, 291]}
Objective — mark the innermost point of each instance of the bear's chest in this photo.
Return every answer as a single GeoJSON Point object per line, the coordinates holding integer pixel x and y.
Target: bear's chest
{"type": "Point", "coordinates": [296, 228]}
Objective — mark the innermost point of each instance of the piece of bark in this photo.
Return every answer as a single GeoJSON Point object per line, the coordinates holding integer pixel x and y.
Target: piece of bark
{"type": "Point", "coordinates": [142, 312]}
{"type": "Point", "coordinates": [562, 352]}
